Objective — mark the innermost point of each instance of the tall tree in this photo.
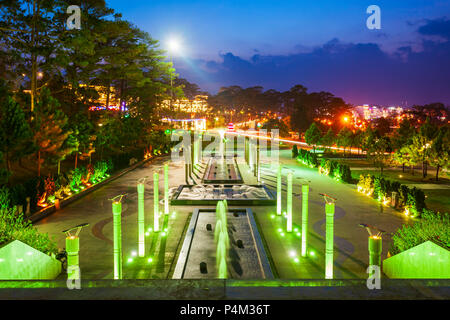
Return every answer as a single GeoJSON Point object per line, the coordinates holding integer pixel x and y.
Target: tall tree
{"type": "Point", "coordinates": [313, 136]}
{"type": "Point", "coordinates": [15, 132]}
{"type": "Point", "coordinates": [344, 138]}
{"type": "Point", "coordinates": [48, 128]}
{"type": "Point", "coordinates": [440, 150]}
{"type": "Point", "coordinates": [380, 152]}
{"type": "Point", "coordinates": [328, 139]}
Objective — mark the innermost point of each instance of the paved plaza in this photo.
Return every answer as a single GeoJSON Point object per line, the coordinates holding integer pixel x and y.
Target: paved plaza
{"type": "Point", "coordinates": [162, 248]}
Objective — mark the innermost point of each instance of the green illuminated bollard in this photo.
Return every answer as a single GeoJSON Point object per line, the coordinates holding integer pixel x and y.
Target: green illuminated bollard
{"type": "Point", "coordinates": [279, 190]}
{"type": "Point", "coordinates": [289, 203]}
{"type": "Point", "coordinates": [141, 220]}
{"type": "Point", "coordinates": [156, 201]}
{"type": "Point", "coordinates": [117, 224]}
{"type": "Point", "coordinates": [72, 249]}
{"type": "Point", "coordinates": [166, 189]}
{"type": "Point", "coordinates": [305, 193]}
{"type": "Point", "coordinates": [375, 251]}
{"type": "Point", "coordinates": [329, 211]}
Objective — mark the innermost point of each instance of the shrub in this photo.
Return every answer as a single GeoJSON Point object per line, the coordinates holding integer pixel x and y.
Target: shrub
{"type": "Point", "coordinates": [75, 178]}
{"type": "Point", "coordinates": [413, 200]}
{"type": "Point", "coordinates": [13, 227]}
{"type": "Point", "coordinates": [432, 226]}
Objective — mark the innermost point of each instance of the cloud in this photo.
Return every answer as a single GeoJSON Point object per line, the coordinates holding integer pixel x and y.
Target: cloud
{"type": "Point", "coordinates": [358, 72]}
{"type": "Point", "coordinates": [437, 27]}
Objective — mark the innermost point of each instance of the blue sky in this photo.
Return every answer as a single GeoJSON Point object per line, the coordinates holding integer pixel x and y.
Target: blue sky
{"type": "Point", "coordinates": [245, 42]}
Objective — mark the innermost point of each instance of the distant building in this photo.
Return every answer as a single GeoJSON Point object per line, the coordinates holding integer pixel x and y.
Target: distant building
{"type": "Point", "coordinates": [199, 105]}
{"type": "Point", "coordinates": [374, 112]}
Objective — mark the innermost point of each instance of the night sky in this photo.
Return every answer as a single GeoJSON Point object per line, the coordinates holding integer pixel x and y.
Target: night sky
{"type": "Point", "coordinates": [323, 45]}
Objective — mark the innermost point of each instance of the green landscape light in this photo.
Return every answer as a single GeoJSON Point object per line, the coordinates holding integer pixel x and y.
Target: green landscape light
{"type": "Point", "coordinates": [117, 226]}
{"type": "Point", "coordinates": [150, 260]}
{"type": "Point", "coordinates": [375, 248]}
{"type": "Point", "coordinates": [166, 188]}
{"type": "Point", "coordinates": [155, 201]}
{"type": "Point", "coordinates": [272, 216]}
{"type": "Point", "coordinates": [296, 260]}
{"type": "Point", "coordinates": [282, 234]}
{"type": "Point", "coordinates": [289, 202]}
{"type": "Point", "coordinates": [305, 199]}
{"type": "Point", "coordinates": [279, 190]}
{"type": "Point", "coordinates": [141, 219]}
{"type": "Point", "coordinates": [280, 230]}
{"type": "Point", "coordinates": [312, 253]}
{"type": "Point", "coordinates": [329, 242]}
{"type": "Point", "coordinates": [163, 234]}
{"type": "Point", "coordinates": [298, 234]}
{"type": "Point", "coordinates": [134, 253]}
{"type": "Point", "coordinates": [130, 260]}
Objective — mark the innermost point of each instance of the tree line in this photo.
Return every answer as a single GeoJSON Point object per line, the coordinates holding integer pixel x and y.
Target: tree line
{"type": "Point", "coordinates": [51, 76]}
{"type": "Point", "coordinates": [301, 106]}
{"type": "Point", "coordinates": [408, 145]}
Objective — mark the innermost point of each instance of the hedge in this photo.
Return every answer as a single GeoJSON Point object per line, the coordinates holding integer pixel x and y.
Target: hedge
{"type": "Point", "coordinates": [381, 189]}
{"type": "Point", "coordinates": [328, 167]}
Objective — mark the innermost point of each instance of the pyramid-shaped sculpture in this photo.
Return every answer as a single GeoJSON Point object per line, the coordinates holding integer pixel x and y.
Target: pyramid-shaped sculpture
{"type": "Point", "coordinates": [19, 261]}
{"type": "Point", "coordinates": [424, 261]}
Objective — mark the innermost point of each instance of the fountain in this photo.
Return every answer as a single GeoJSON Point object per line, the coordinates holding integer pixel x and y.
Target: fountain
{"type": "Point", "coordinates": [222, 239]}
